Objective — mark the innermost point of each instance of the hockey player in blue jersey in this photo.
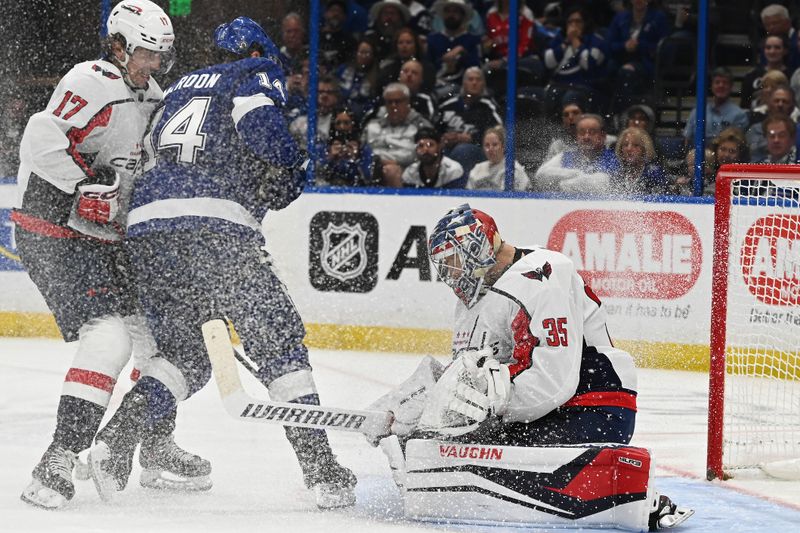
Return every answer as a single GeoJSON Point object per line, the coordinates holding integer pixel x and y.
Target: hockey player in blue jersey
{"type": "Point", "coordinates": [222, 156]}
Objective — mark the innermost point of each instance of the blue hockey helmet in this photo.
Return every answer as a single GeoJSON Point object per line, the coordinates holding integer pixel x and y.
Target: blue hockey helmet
{"type": "Point", "coordinates": [242, 35]}
{"type": "Point", "coordinates": [463, 247]}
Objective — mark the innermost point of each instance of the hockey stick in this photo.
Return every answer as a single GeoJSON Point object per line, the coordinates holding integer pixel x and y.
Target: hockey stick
{"type": "Point", "coordinates": [241, 405]}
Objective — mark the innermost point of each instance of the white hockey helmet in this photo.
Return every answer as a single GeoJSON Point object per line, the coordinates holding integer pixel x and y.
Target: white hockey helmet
{"type": "Point", "coordinates": [142, 23]}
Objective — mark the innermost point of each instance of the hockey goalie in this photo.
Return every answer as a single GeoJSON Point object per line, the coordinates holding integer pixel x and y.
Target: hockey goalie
{"type": "Point", "coordinates": [531, 420]}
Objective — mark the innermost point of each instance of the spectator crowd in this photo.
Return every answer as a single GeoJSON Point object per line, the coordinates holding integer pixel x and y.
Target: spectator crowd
{"type": "Point", "coordinates": [412, 93]}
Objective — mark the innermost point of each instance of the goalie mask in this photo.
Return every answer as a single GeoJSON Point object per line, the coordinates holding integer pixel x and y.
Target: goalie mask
{"type": "Point", "coordinates": [463, 247]}
{"type": "Point", "coordinates": [146, 35]}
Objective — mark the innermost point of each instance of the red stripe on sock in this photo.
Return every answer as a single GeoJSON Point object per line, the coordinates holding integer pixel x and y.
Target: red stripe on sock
{"type": "Point", "coordinates": [92, 379]}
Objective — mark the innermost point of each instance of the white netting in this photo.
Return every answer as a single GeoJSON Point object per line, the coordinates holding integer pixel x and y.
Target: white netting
{"type": "Point", "coordinates": [762, 384]}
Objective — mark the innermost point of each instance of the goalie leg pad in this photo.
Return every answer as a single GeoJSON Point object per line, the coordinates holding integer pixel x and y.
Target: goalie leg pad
{"type": "Point", "coordinates": [591, 485]}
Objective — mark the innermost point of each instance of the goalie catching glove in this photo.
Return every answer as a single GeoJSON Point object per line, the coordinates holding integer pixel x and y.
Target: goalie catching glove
{"type": "Point", "coordinates": [473, 388]}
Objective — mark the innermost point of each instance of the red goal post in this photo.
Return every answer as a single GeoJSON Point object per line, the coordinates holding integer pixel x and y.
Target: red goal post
{"type": "Point", "coordinates": [754, 376]}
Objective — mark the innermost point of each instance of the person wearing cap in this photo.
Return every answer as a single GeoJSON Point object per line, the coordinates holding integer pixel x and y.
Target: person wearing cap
{"type": "Point", "coordinates": [720, 111]}
{"type": "Point", "coordinates": [454, 49]}
{"type": "Point", "coordinates": [385, 20]}
{"type": "Point", "coordinates": [432, 169]}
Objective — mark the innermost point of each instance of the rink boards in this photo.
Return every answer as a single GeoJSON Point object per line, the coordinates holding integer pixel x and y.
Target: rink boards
{"type": "Point", "coordinates": [356, 268]}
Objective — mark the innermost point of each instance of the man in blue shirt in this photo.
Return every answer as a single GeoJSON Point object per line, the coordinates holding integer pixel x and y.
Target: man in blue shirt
{"type": "Point", "coordinates": [720, 111]}
{"type": "Point", "coordinates": [221, 156]}
{"type": "Point", "coordinates": [587, 168]}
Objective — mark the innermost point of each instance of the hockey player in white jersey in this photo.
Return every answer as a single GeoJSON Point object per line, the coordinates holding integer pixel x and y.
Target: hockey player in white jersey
{"type": "Point", "coordinates": [78, 158]}
{"type": "Point", "coordinates": [533, 361]}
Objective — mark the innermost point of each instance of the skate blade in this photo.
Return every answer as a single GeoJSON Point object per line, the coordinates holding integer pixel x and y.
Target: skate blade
{"type": "Point", "coordinates": [680, 516]}
{"type": "Point", "coordinates": [161, 480]}
{"type": "Point", "coordinates": [105, 483]}
{"type": "Point", "coordinates": [42, 497]}
{"type": "Point", "coordinates": [329, 496]}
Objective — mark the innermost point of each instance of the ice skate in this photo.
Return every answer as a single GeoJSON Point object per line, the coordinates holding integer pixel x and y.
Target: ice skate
{"type": "Point", "coordinates": [666, 515]}
{"type": "Point", "coordinates": [51, 486]}
{"type": "Point", "coordinates": [167, 466]}
{"type": "Point", "coordinates": [332, 484]}
{"type": "Point", "coordinates": [111, 457]}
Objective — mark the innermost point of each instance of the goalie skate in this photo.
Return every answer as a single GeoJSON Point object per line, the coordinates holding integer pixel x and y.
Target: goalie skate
{"type": "Point", "coordinates": [166, 466]}
{"type": "Point", "coordinates": [666, 515]}
{"type": "Point", "coordinates": [51, 486]}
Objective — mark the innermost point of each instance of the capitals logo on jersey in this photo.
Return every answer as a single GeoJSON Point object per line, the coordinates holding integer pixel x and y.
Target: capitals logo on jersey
{"type": "Point", "coordinates": [543, 272]}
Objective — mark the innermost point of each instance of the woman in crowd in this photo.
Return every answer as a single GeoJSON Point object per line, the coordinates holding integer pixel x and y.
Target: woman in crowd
{"type": "Point", "coordinates": [491, 174]}
{"type": "Point", "coordinates": [407, 45]}
{"type": "Point", "coordinates": [359, 77]}
{"type": "Point", "coordinates": [639, 172]}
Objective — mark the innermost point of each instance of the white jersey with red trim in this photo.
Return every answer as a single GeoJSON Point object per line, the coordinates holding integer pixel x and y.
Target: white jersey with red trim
{"type": "Point", "coordinates": [93, 120]}
{"type": "Point", "coordinates": [542, 320]}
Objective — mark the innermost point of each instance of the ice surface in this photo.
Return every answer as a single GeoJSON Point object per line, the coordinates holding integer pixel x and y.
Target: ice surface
{"type": "Point", "coordinates": [257, 483]}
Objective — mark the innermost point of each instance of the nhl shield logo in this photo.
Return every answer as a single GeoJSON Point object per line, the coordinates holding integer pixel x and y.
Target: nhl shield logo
{"type": "Point", "coordinates": [344, 253]}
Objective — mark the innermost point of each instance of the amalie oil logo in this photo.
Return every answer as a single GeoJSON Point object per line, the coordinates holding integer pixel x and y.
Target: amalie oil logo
{"type": "Point", "coordinates": [771, 260]}
{"type": "Point", "coordinates": [631, 254]}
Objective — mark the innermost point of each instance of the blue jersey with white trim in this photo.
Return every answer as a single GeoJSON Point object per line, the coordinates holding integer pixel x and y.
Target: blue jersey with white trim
{"type": "Point", "coordinates": [217, 133]}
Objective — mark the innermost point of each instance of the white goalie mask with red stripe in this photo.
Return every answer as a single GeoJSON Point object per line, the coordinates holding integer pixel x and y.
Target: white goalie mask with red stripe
{"type": "Point", "coordinates": [463, 247]}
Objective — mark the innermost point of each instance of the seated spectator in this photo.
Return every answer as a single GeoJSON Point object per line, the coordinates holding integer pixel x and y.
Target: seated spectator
{"type": "Point", "coordinates": [466, 117]}
{"type": "Point", "coordinates": [293, 37]}
{"type": "Point", "coordinates": [411, 75]}
{"type": "Point", "coordinates": [495, 42]}
{"type": "Point", "coordinates": [588, 168]}
{"type": "Point", "coordinates": [297, 91]}
{"type": "Point", "coordinates": [781, 101]}
{"type": "Point", "coordinates": [776, 50]}
{"type": "Point", "coordinates": [336, 45]}
{"type": "Point", "coordinates": [576, 59]}
{"type": "Point", "coordinates": [453, 50]}
{"type": "Point", "coordinates": [780, 131]}
{"type": "Point", "coordinates": [386, 18]}
{"type": "Point", "coordinates": [391, 134]}
{"type": "Point", "coordinates": [730, 147]}
{"type": "Point", "coordinates": [564, 140]}
{"type": "Point", "coordinates": [358, 78]}
{"type": "Point", "coordinates": [474, 23]}
{"type": "Point", "coordinates": [639, 116]}
{"type": "Point", "coordinates": [348, 163]}
{"type": "Point", "coordinates": [639, 173]}
{"type": "Point", "coordinates": [760, 105]}
{"type": "Point", "coordinates": [432, 169]}
{"type": "Point", "coordinates": [684, 184]}
{"type": "Point", "coordinates": [421, 20]}
{"type": "Point", "coordinates": [720, 111]}
{"type": "Point", "coordinates": [633, 38]}
{"type": "Point", "coordinates": [328, 96]}
{"type": "Point", "coordinates": [491, 174]}
{"type": "Point", "coordinates": [776, 20]}
{"type": "Point", "coordinates": [407, 45]}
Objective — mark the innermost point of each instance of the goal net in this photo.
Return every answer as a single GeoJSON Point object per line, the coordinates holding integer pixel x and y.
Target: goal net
{"type": "Point", "coordinates": [754, 393]}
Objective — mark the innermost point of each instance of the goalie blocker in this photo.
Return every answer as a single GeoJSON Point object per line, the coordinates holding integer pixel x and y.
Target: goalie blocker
{"type": "Point", "coordinates": [571, 486]}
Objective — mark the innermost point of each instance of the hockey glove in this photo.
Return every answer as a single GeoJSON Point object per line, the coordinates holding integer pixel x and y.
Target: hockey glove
{"type": "Point", "coordinates": [281, 185]}
{"type": "Point", "coordinates": [99, 203]}
{"type": "Point", "coordinates": [498, 386]}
